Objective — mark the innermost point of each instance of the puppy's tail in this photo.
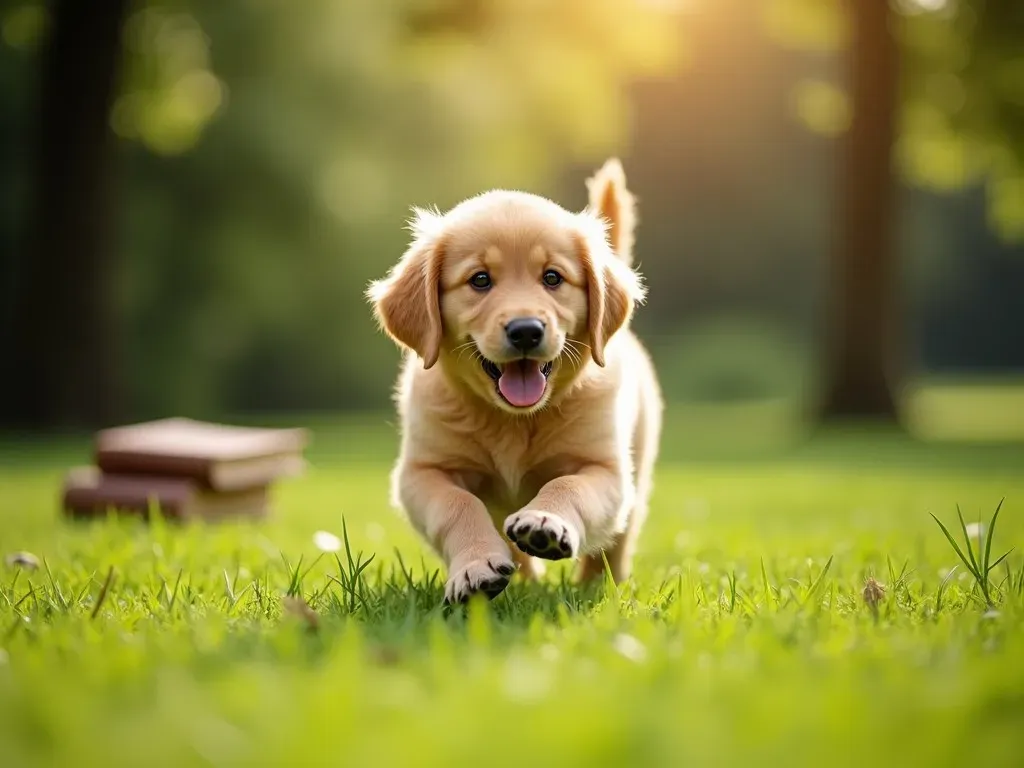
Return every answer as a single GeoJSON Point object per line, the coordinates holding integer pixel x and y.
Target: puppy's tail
{"type": "Point", "coordinates": [612, 201]}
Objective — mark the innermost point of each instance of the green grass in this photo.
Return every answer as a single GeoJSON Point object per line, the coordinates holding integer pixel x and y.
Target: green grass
{"type": "Point", "coordinates": [743, 639]}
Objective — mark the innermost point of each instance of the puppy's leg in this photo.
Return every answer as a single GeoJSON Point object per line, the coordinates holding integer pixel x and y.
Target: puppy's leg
{"type": "Point", "coordinates": [571, 514]}
{"type": "Point", "coordinates": [646, 439]}
{"type": "Point", "coordinates": [457, 525]}
{"type": "Point", "coordinates": [620, 553]}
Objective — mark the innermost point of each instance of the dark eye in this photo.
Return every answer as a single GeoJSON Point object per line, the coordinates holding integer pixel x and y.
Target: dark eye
{"type": "Point", "coordinates": [552, 279]}
{"type": "Point", "coordinates": [481, 281]}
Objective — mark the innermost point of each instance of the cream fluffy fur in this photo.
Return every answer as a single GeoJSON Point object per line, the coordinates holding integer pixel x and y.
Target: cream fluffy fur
{"type": "Point", "coordinates": [491, 486]}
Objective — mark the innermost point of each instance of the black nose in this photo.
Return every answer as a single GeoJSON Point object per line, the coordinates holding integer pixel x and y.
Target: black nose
{"type": "Point", "coordinates": [525, 333]}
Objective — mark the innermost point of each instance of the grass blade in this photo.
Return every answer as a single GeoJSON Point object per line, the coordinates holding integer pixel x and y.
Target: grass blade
{"type": "Point", "coordinates": [305, 573]}
{"type": "Point", "coordinates": [956, 548]}
{"type": "Point", "coordinates": [967, 541]}
{"type": "Point", "coordinates": [988, 536]}
{"type": "Point", "coordinates": [1007, 552]}
{"type": "Point", "coordinates": [816, 586]}
{"type": "Point", "coordinates": [942, 588]}
{"type": "Point", "coordinates": [172, 597]}
{"type": "Point", "coordinates": [103, 593]}
{"type": "Point", "coordinates": [767, 586]}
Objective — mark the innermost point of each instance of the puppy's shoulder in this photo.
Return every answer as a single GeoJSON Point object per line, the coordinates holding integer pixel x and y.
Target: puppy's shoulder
{"type": "Point", "coordinates": [625, 359]}
{"type": "Point", "coordinates": [419, 388]}
{"type": "Point", "coordinates": [428, 400]}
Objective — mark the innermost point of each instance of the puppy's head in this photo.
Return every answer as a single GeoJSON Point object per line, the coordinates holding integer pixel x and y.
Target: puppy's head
{"type": "Point", "coordinates": [512, 293]}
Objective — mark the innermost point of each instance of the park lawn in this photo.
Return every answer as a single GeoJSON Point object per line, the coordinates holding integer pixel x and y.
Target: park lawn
{"type": "Point", "coordinates": [733, 645]}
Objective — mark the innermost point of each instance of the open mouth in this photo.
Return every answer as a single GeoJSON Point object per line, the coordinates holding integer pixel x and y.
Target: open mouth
{"type": "Point", "coordinates": [521, 383]}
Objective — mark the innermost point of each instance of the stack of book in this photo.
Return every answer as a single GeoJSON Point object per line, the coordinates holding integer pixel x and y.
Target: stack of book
{"type": "Point", "coordinates": [188, 469]}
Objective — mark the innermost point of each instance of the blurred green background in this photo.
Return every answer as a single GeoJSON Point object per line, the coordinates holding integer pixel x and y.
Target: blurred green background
{"type": "Point", "coordinates": [193, 196]}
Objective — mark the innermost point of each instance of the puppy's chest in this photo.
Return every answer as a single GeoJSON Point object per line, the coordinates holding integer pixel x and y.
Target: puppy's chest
{"type": "Point", "coordinates": [507, 470]}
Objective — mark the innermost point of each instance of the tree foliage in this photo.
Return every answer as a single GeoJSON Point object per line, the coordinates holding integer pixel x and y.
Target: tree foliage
{"type": "Point", "coordinates": [270, 152]}
{"type": "Point", "coordinates": [273, 149]}
{"type": "Point", "coordinates": [962, 105]}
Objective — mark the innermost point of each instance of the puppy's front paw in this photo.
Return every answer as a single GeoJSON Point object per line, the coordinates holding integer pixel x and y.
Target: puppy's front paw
{"type": "Point", "coordinates": [489, 575]}
{"type": "Point", "coordinates": [542, 534]}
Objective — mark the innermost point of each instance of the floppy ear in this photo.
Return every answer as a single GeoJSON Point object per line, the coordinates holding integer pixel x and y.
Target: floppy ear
{"type": "Point", "coordinates": [613, 289]}
{"type": "Point", "coordinates": [407, 301]}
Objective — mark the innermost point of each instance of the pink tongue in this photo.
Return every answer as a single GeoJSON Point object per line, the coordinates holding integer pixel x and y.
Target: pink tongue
{"type": "Point", "coordinates": [522, 383]}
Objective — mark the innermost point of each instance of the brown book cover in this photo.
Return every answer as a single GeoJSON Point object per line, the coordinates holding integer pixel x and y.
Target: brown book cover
{"type": "Point", "coordinates": [88, 492]}
{"type": "Point", "coordinates": [220, 456]}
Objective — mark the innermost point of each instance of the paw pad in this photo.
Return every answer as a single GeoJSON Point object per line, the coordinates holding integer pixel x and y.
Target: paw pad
{"type": "Point", "coordinates": [487, 576]}
{"type": "Point", "coordinates": [541, 535]}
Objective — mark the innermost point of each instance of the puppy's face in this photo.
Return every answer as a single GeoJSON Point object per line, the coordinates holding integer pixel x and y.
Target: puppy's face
{"type": "Point", "coordinates": [513, 293]}
{"type": "Point", "coordinates": [514, 302]}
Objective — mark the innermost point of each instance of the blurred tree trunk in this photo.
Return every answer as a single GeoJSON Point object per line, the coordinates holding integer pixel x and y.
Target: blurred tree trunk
{"type": "Point", "coordinates": [61, 372]}
{"type": "Point", "coordinates": [861, 326]}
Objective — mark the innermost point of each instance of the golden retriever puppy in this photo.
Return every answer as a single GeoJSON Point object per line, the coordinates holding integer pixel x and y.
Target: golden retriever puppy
{"type": "Point", "coordinates": [530, 413]}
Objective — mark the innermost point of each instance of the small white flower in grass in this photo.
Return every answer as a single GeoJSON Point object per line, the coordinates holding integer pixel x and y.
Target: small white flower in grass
{"type": "Point", "coordinates": [975, 530]}
{"type": "Point", "coordinates": [630, 648]}
{"type": "Point", "coordinates": [25, 560]}
{"type": "Point", "coordinates": [923, 6]}
{"type": "Point", "coordinates": [326, 542]}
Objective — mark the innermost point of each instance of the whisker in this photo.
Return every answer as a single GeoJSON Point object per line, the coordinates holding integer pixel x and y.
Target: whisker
{"type": "Point", "coordinates": [573, 355]}
{"type": "Point", "coordinates": [461, 349]}
{"type": "Point", "coordinates": [571, 345]}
